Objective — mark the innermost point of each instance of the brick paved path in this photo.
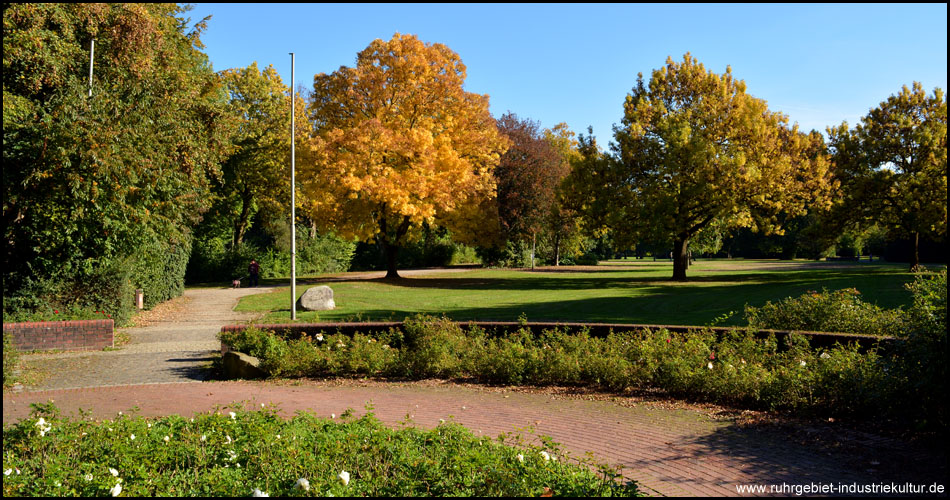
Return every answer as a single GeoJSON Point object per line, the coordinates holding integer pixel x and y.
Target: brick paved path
{"type": "Point", "coordinates": [669, 452]}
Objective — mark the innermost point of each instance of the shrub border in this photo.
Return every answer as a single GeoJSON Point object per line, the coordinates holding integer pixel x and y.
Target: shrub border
{"type": "Point", "coordinates": [816, 339]}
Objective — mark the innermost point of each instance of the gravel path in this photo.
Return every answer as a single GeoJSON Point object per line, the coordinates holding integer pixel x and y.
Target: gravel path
{"type": "Point", "coordinates": [171, 349]}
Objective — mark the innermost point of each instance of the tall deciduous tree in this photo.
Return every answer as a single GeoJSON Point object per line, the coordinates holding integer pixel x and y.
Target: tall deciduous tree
{"type": "Point", "coordinates": [256, 176]}
{"type": "Point", "coordinates": [893, 166]}
{"type": "Point", "coordinates": [695, 149]}
{"type": "Point", "coordinates": [562, 222]}
{"type": "Point", "coordinates": [398, 141]}
{"type": "Point", "coordinates": [91, 180]}
{"type": "Point", "coordinates": [527, 178]}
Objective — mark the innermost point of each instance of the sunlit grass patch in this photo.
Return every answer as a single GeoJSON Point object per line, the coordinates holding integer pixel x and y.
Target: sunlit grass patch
{"type": "Point", "coordinates": [620, 292]}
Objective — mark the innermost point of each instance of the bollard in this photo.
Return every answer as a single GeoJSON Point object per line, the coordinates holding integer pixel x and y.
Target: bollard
{"type": "Point", "coordinates": [139, 299]}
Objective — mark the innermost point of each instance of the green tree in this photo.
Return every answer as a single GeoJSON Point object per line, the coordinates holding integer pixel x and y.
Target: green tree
{"type": "Point", "coordinates": [587, 188]}
{"type": "Point", "coordinates": [695, 150]}
{"type": "Point", "coordinates": [562, 226]}
{"type": "Point", "coordinates": [256, 176]}
{"type": "Point", "coordinates": [892, 167]}
{"type": "Point", "coordinates": [92, 181]}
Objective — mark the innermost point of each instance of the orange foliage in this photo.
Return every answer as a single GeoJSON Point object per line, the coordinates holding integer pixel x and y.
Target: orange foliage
{"type": "Point", "coordinates": [397, 142]}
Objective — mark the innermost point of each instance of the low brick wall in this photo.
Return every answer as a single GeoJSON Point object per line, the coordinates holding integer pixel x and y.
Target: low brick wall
{"type": "Point", "coordinates": [816, 339]}
{"type": "Point", "coordinates": [80, 335]}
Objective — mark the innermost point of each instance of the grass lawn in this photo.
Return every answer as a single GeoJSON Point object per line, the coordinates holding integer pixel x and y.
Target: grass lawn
{"type": "Point", "coordinates": [618, 291]}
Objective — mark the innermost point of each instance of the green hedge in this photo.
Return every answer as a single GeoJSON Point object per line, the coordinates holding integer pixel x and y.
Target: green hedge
{"type": "Point", "coordinates": [738, 369]}
{"type": "Point", "coordinates": [159, 271]}
{"type": "Point", "coordinates": [99, 291]}
{"type": "Point", "coordinates": [105, 289]}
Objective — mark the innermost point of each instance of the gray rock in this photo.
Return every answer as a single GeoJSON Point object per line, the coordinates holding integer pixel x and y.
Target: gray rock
{"type": "Point", "coordinates": [238, 365]}
{"type": "Point", "coordinates": [318, 298]}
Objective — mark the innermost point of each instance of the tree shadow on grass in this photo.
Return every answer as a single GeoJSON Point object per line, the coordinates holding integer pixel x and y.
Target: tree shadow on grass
{"type": "Point", "coordinates": [627, 297]}
{"type": "Point", "coordinates": [670, 305]}
{"type": "Point", "coordinates": [611, 279]}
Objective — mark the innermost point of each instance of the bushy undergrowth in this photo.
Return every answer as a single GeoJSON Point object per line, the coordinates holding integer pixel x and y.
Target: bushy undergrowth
{"type": "Point", "coordinates": [738, 368]}
{"type": "Point", "coordinates": [913, 378]}
{"type": "Point", "coordinates": [213, 261]}
{"type": "Point", "coordinates": [258, 451]}
{"type": "Point", "coordinates": [920, 358]}
{"type": "Point", "coordinates": [844, 311]}
{"type": "Point", "coordinates": [835, 311]}
{"type": "Point", "coordinates": [100, 292]}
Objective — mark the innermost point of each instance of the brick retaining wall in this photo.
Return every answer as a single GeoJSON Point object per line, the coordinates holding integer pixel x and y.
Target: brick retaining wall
{"type": "Point", "coordinates": [79, 335]}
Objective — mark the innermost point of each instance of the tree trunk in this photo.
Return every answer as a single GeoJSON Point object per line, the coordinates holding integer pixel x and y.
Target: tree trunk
{"type": "Point", "coordinates": [534, 246]}
{"type": "Point", "coordinates": [391, 243]}
{"type": "Point", "coordinates": [915, 258]}
{"type": "Point", "coordinates": [391, 251]}
{"type": "Point", "coordinates": [680, 258]}
{"type": "Point", "coordinates": [557, 249]}
{"type": "Point", "coordinates": [241, 226]}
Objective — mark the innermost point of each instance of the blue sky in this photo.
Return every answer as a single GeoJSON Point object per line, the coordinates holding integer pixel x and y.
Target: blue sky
{"type": "Point", "coordinates": [820, 64]}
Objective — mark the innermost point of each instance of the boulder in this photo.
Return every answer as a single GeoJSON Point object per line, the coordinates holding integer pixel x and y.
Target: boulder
{"type": "Point", "coordinates": [318, 298]}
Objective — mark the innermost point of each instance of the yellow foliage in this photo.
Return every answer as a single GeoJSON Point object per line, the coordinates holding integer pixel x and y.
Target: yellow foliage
{"type": "Point", "coordinates": [397, 142]}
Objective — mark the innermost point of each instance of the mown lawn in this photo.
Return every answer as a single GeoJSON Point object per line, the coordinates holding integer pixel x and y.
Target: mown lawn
{"type": "Point", "coordinates": [625, 291]}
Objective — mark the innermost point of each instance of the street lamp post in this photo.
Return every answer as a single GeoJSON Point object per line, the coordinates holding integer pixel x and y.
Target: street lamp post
{"type": "Point", "coordinates": [293, 220]}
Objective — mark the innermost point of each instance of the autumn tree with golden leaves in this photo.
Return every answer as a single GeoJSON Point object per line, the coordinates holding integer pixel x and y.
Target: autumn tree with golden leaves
{"type": "Point", "coordinates": [397, 141]}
